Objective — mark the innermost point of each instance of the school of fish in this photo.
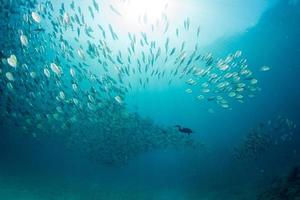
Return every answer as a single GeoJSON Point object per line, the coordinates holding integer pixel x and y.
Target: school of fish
{"type": "Point", "coordinates": [265, 137]}
{"type": "Point", "coordinates": [60, 73]}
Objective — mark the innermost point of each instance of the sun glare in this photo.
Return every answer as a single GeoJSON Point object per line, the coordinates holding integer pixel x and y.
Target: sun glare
{"type": "Point", "coordinates": [148, 10]}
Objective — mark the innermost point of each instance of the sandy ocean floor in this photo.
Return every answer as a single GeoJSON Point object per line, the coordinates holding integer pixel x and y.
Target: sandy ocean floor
{"type": "Point", "coordinates": [16, 189]}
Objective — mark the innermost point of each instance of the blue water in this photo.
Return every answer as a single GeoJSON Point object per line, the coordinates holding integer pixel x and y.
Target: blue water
{"type": "Point", "coordinates": [53, 162]}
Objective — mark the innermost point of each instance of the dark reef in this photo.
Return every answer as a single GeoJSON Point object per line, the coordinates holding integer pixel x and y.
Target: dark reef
{"type": "Point", "coordinates": [287, 188]}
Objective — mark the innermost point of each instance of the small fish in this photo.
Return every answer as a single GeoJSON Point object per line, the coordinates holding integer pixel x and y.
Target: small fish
{"type": "Point", "coordinates": [198, 32]}
{"type": "Point", "coordinates": [12, 61]}
{"type": "Point", "coordinates": [265, 68]}
{"type": "Point", "coordinates": [102, 31]}
{"type": "Point", "coordinates": [81, 54]}
{"type": "Point", "coordinates": [72, 5]}
{"type": "Point", "coordinates": [39, 30]}
{"type": "Point", "coordinates": [36, 17]}
{"type": "Point", "coordinates": [24, 40]}
{"type": "Point", "coordinates": [55, 69]}
{"type": "Point", "coordinates": [91, 12]}
{"type": "Point", "coordinates": [96, 5]}
{"type": "Point", "coordinates": [9, 76]}
{"type": "Point", "coordinates": [118, 99]}
{"type": "Point", "coordinates": [47, 73]}
{"type": "Point", "coordinates": [172, 51]}
{"type": "Point", "coordinates": [112, 8]}
{"type": "Point", "coordinates": [113, 35]}
{"type": "Point", "coordinates": [167, 44]}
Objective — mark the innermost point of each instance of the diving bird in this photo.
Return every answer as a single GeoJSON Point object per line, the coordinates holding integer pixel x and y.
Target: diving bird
{"type": "Point", "coordinates": [184, 130]}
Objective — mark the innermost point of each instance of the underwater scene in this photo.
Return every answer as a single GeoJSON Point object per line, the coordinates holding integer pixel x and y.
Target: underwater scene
{"type": "Point", "coordinates": [149, 100]}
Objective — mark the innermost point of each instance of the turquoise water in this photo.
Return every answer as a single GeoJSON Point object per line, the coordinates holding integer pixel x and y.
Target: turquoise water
{"type": "Point", "coordinates": [96, 96]}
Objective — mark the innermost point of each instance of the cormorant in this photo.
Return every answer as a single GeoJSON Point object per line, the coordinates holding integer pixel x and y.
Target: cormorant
{"type": "Point", "coordinates": [184, 130]}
